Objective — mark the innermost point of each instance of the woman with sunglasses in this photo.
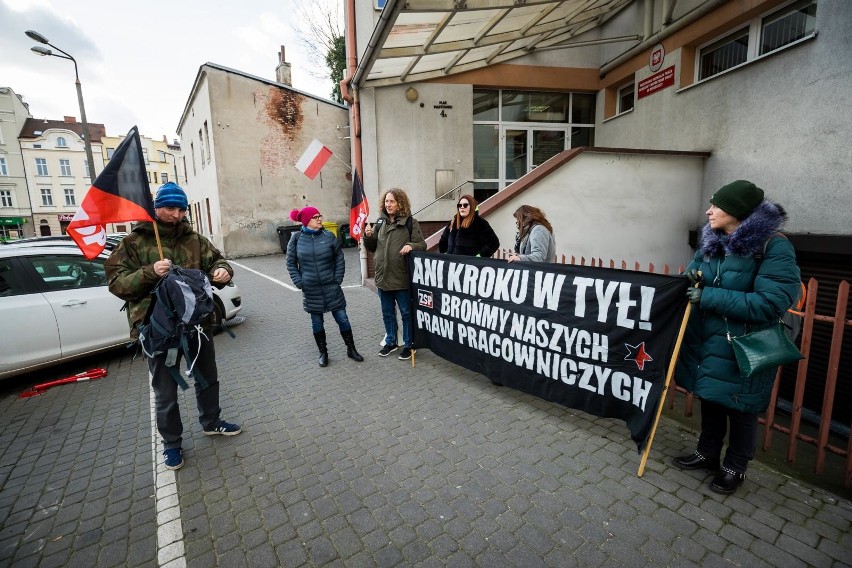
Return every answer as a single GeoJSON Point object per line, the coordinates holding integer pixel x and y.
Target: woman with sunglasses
{"type": "Point", "coordinates": [468, 234]}
{"type": "Point", "coordinates": [316, 265]}
{"type": "Point", "coordinates": [535, 242]}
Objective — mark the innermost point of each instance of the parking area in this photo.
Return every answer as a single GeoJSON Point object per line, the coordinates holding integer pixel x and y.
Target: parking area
{"type": "Point", "coordinates": [369, 464]}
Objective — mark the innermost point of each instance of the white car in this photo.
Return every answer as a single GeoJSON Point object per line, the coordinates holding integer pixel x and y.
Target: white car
{"type": "Point", "coordinates": [55, 305]}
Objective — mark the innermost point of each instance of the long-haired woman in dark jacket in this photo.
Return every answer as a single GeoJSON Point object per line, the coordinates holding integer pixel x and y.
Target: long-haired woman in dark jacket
{"type": "Point", "coordinates": [746, 278]}
{"type": "Point", "coordinates": [469, 234]}
{"type": "Point", "coordinates": [316, 265]}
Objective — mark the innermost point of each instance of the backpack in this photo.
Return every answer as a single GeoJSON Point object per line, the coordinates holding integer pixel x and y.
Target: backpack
{"type": "Point", "coordinates": [182, 301]}
{"type": "Point", "coordinates": [792, 322]}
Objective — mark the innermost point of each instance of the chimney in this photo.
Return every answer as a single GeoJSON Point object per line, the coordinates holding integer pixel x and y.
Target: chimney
{"type": "Point", "coordinates": [282, 72]}
{"type": "Point", "coordinates": [71, 119]}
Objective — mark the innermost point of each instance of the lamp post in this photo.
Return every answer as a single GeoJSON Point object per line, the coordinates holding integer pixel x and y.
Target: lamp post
{"type": "Point", "coordinates": [44, 51]}
{"type": "Point", "coordinates": [174, 159]}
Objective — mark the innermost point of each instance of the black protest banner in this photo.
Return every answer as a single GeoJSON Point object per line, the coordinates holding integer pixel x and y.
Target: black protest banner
{"type": "Point", "coordinates": [596, 339]}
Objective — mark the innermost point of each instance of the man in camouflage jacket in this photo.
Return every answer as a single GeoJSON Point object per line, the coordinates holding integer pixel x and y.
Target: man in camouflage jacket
{"type": "Point", "coordinates": [133, 269]}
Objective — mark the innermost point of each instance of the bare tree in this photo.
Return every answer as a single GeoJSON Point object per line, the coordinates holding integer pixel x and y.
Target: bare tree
{"type": "Point", "coordinates": [319, 26]}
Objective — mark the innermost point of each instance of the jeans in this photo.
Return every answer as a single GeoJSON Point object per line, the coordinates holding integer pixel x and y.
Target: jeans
{"type": "Point", "coordinates": [403, 300]}
{"type": "Point", "coordinates": [741, 441]}
{"type": "Point", "coordinates": [339, 316]}
{"type": "Point", "coordinates": [169, 423]}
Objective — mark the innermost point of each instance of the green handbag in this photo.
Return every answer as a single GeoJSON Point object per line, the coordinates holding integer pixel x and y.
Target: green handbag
{"type": "Point", "coordinates": [763, 349]}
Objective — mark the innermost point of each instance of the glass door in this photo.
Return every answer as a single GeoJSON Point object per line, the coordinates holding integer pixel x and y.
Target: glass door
{"type": "Point", "coordinates": [528, 148]}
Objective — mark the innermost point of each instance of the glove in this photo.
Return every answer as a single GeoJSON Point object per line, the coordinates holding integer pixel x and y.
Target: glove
{"type": "Point", "coordinates": [694, 295]}
{"type": "Point", "coordinates": [694, 277]}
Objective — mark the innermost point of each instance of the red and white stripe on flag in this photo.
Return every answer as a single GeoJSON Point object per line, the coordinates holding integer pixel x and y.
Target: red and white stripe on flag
{"type": "Point", "coordinates": [313, 159]}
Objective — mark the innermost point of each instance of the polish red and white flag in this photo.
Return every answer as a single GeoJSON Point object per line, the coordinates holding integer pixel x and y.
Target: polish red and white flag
{"type": "Point", "coordinates": [313, 159]}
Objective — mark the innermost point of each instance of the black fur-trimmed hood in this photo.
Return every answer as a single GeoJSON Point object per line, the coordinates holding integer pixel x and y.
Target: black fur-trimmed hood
{"type": "Point", "coordinates": [749, 238]}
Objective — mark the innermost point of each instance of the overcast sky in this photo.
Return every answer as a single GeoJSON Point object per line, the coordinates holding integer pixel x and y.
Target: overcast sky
{"type": "Point", "coordinates": [137, 61]}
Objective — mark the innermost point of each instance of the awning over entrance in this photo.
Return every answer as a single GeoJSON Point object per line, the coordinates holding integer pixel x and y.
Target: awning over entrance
{"type": "Point", "coordinates": [13, 221]}
{"type": "Point", "coordinates": [424, 39]}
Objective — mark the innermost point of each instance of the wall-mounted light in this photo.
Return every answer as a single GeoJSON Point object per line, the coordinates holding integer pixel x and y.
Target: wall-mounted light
{"type": "Point", "coordinates": [411, 94]}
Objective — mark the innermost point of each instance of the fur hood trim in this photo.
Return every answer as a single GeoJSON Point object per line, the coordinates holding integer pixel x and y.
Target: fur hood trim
{"type": "Point", "coordinates": [749, 238]}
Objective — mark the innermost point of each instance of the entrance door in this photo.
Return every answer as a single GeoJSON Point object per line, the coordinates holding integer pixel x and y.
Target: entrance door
{"type": "Point", "coordinates": [528, 148]}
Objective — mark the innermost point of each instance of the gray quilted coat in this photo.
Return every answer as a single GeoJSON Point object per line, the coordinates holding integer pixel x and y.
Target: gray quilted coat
{"type": "Point", "coordinates": [316, 265]}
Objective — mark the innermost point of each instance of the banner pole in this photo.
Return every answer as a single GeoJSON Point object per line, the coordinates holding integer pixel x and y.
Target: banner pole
{"type": "Point", "coordinates": [663, 394]}
{"type": "Point", "coordinates": [157, 236]}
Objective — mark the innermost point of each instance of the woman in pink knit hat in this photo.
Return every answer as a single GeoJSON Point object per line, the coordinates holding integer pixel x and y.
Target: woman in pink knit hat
{"type": "Point", "coordinates": [316, 265]}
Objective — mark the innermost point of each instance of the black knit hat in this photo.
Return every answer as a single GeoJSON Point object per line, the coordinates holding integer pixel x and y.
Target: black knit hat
{"type": "Point", "coordinates": [738, 198]}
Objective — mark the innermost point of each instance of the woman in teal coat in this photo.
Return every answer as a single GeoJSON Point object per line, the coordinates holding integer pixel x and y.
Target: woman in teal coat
{"type": "Point", "coordinates": [747, 278]}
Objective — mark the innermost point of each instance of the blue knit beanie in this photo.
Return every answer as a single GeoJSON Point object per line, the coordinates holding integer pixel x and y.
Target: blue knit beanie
{"type": "Point", "coordinates": [171, 195]}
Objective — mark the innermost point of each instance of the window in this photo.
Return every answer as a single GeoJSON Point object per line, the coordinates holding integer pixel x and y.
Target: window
{"type": "Point", "coordinates": [64, 272]}
{"type": "Point", "coordinates": [207, 142]}
{"type": "Point", "coordinates": [192, 151]}
{"type": "Point", "coordinates": [110, 152]}
{"type": "Point", "coordinates": [5, 198]}
{"type": "Point", "coordinates": [86, 168]}
{"type": "Point", "coordinates": [724, 54]}
{"type": "Point", "coordinates": [60, 142]}
{"type": "Point", "coordinates": [164, 177]}
{"type": "Point", "coordinates": [65, 167]}
{"type": "Point", "coordinates": [201, 146]}
{"type": "Point", "coordinates": [46, 197]}
{"type": "Point", "coordinates": [145, 155]}
{"type": "Point", "coordinates": [41, 167]}
{"type": "Point", "coordinates": [761, 36]}
{"type": "Point", "coordinates": [69, 196]}
{"type": "Point", "coordinates": [626, 98]}
{"type": "Point", "coordinates": [162, 155]}
{"type": "Point", "coordinates": [787, 25]}
{"type": "Point", "coordinates": [13, 281]}
{"type": "Point", "coordinates": [3, 170]}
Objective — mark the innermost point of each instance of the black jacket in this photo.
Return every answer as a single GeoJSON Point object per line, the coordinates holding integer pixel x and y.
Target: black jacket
{"type": "Point", "coordinates": [478, 239]}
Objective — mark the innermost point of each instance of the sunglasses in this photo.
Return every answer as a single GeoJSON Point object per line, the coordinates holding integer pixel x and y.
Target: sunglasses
{"type": "Point", "coordinates": [463, 205]}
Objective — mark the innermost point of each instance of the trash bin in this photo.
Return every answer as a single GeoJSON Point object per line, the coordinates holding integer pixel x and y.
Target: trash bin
{"type": "Point", "coordinates": [284, 234]}
{"type": "Point", "coordinates": [330, 226]}
{"type": "Point", "coordinates": [346, 240]}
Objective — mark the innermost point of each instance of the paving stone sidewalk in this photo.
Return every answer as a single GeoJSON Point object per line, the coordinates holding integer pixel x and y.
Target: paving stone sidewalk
{"type": "Point", "coordinates": [371, 464]}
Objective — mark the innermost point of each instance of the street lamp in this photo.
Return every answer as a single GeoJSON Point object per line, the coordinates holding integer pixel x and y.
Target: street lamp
{"type": "Point", "coordinates": [44, 51]}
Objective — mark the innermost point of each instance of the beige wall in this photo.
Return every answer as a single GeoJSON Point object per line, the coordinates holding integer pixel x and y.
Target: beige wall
{"type": "Point", "coordinates": [13, 115]}
{"type": "Point", "coordinates": [257, 131]}
{"type": "Point", "coordinates": [75, 152]}
{"type": "Point", "coordinates": [633, 207]}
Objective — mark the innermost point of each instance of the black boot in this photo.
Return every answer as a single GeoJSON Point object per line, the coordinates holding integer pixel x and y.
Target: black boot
{"type": "Point", "coordinates": [727, 481]}
{"type": "Point", "coordinates": [319, 336]}
{"type": "Point", "coordinates": [697, 461]}
{"type": "Point", "coordinates": [351, 352]}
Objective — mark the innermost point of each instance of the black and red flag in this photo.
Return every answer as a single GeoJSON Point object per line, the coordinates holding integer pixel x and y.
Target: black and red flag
{"type": "Point", "coordinates": [360, 208]}
{"type": "Point", "coordinates": [119, 194]}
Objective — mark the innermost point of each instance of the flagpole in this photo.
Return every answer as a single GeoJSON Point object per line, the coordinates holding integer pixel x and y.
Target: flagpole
{"type": "Point", "coordinates": [669, 374]}
{"type": "Point", "coordinates": [341, 161]}
{"type": "Point", "coordinates": [157, 236]}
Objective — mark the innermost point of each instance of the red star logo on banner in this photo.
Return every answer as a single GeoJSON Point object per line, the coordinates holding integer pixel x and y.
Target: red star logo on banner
{"type": "Point", "coordinates": [637, 354]}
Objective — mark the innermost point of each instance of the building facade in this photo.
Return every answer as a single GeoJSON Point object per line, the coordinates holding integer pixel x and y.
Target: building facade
{"type": "Point", "coordinates": [57, 171]}
{"type": "Point", "coordinates": [474, 94]}
{"type": "Point", "coordinates": [163, 161]}
{"type": "Point", "coordinates": [241, 137]}
{"type": "Point", "coordinates": [15, 210]}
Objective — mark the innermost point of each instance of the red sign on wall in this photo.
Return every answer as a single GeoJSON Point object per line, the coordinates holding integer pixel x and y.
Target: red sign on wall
{"type": "Point", "coordinates": [656, 82]}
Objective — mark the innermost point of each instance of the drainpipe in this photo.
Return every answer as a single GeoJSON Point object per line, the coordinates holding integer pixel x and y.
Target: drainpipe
{"type": "Point", "coordinates": [665, 32]}
{"type": "Point", "coordinates": [351, 97]}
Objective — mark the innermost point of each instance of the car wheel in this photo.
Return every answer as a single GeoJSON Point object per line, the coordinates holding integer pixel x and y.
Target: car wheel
{"type": "Point", "coordinates": [218, 315]}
